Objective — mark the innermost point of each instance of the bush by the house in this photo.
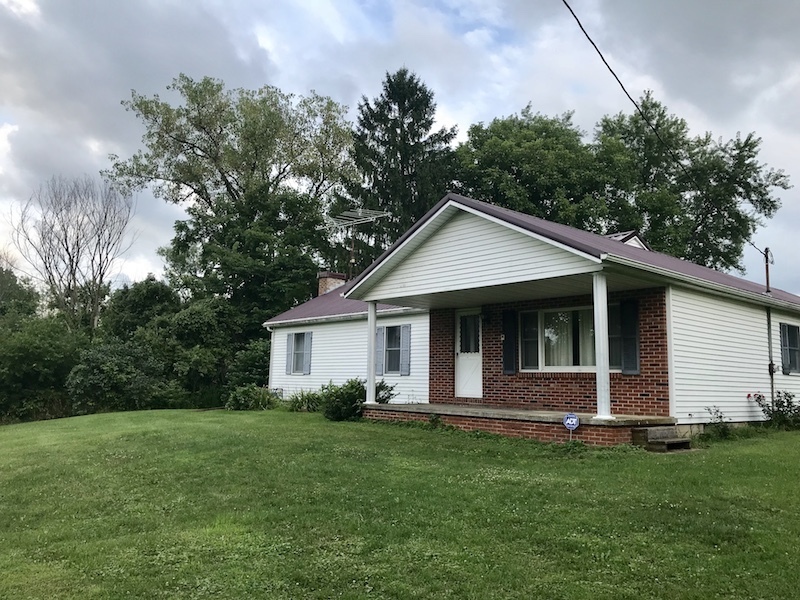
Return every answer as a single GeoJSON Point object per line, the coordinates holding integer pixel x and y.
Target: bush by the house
{"type": "Point", "coordinates": [252, 397]}
{"type": "Point", "coordinates": [784, 413]}
{"type": "Point", "coordinates": [305, 401]}
{"type": "Point", "coordinates": [345, 402]}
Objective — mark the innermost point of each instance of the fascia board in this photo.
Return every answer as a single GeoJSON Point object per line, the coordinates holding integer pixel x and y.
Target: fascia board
{"type": "Point", "coordinates": [388, 312]}
{"type": "Point", "coordinates": [705, 285]}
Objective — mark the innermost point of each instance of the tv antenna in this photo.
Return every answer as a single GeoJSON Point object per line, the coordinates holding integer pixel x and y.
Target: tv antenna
{"type": "Point", "coordinates": [769, 259]}
{"type": "Point", "coordinates": [350, 219]}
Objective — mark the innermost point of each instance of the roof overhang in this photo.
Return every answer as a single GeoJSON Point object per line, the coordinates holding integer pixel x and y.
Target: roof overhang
{"type": "Point", "coordinates": [386, 312]}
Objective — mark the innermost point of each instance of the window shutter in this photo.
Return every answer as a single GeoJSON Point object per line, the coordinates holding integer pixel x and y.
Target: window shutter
{"type": "Point", "coordinates": [405, 350]}
{"type": "Point", "coordinates": [785, 355]}
{"type": "Point", "coordinates": [307, 354]}
{"type": "Point", "coordinates": [289, 352]}
{"type": "Point", "coordinates": [380, 338]}
{"type": "Point", "coordinates": [509, 342]}
{"type": "Point", "coordinates": [629, 321]}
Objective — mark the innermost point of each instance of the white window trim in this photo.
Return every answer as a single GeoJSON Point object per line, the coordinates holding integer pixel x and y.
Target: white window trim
{"type": "Point", "coordinates": [791, 372]}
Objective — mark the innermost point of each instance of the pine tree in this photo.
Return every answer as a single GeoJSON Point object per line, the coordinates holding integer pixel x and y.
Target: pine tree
{"type": "Point", "coordinates": [403, 166]}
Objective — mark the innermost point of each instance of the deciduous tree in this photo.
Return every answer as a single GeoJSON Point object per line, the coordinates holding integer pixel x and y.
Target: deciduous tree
{"type": "Point", "coordinates": [695, 197]}
{"type": "Point", "coordinates": [72, 232]}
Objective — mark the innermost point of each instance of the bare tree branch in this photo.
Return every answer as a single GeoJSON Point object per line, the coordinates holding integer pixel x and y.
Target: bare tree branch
{"type": "Point", "coordinates": [71, 232]}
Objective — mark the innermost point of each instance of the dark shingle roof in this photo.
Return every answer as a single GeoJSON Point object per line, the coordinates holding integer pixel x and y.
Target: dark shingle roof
{"type": "Point", "coordinates": [327, 305]}
{"type": "Point", "coordinates": [597, 246]}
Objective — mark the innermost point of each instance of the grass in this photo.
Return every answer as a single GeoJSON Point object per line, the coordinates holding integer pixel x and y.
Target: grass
{"type": "Point", "coordinates": [180, 504]}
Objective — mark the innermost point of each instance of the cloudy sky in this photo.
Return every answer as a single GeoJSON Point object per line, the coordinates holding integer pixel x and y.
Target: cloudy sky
{"type": "Point", "coordinates": [65, 65]}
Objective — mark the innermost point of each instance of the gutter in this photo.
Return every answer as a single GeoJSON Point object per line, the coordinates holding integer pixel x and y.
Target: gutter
{"type": "Point", "coordinates": [704, 284]}
{"type": "Point", "coordinates": [270, 326]}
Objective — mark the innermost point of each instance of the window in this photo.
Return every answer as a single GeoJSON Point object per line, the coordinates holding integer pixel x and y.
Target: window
{"type": "Point", "coordinates": [298, 353]}
{"type": "Point", "coordinates": [393, 350]}
{"type": "Point", "coordinates": [392, 365]}
{"type": "Point", "coordinates": [565, 338]}
{"type": "Point", "coordinates": [790, 348]}
{"type": "Point", "coordinates": [568, 338]}
{"type": "Point", "coordinates": [470, 328]}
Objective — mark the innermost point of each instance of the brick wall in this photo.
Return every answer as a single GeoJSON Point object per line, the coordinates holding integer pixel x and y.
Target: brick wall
{"type": "Point", "coordinates": [643, 394]}
{"type": "Point", "coordinates": [594, 435]}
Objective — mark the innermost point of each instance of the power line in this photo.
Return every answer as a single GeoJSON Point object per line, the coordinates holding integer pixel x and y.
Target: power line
{"type": "Point", "coordinates": [636, 104]}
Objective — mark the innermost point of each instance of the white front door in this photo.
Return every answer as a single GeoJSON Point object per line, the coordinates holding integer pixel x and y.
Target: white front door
{"type": "Point", "coordinates": [469, 366]}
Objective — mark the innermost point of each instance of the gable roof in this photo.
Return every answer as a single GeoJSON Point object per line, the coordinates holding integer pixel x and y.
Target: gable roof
{"type": "Point", "coordinates": [327, 307]}
{"type": "Point", "coordinates": [600, 247]}
{"type": "Point", "coordinates": [629, 237]}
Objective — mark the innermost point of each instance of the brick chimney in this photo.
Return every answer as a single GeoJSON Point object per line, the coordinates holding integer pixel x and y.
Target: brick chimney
{"type": "Point", "coordinates": [328, 281]}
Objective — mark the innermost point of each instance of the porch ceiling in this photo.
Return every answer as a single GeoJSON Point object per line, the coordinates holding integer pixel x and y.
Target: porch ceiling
{"type": "Point", "coordinates": [574, 285]}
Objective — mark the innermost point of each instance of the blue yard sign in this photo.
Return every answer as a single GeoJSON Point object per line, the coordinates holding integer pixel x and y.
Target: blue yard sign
{"type": "Point", "coordinates": [571, 422]}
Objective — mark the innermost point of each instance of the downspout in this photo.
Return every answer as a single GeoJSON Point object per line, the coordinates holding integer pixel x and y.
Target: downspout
{"type": "Point", "coordinates": [771, 362]}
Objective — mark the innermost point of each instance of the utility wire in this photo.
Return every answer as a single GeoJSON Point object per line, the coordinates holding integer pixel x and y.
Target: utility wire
{"type": "Point", "coordinates": [636, 104]}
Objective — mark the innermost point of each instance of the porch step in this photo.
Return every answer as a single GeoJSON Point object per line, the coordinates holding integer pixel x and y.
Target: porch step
{"type": "Point", "coordinates": [659, 439]}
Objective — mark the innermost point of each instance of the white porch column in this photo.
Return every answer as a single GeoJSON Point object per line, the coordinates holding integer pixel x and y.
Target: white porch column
{"type": "Point", "coordinates": [372, 326]}
{"type": "Point", "coordinates": [600, 300]}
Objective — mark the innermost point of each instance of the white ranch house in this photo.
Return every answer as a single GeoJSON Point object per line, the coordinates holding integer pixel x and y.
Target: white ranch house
{"type": "Point", "coordinates": [515, 320]}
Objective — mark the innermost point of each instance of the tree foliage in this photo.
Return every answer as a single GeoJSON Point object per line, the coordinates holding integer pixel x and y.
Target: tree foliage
{"type": "Point", "coordinates": [220, 144]}
{"type": "Point", "coordinates": [704, 206]}
{"type": "Point", "coordinates": [693, 197]}
{"type": "Point", "coordinates": [403, 166]}
{"type": "Point", "coordinates": [36, 356]}
{"type": "Point", "coordinates": [534, 164]}
{"type": "Point", "coordinates": [17, 296]}
{"type": "Point", "coordinates": [255, 169]}
{"type": "Point", "coordinates": [135, 305]}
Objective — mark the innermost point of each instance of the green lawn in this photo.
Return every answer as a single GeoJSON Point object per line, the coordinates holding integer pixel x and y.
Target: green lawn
{"type": "Point", "coordinates": [181, 504]}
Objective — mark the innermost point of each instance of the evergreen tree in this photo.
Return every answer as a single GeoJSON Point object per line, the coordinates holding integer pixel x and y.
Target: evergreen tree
{"type": "Point", "coordinates": [403, 166]}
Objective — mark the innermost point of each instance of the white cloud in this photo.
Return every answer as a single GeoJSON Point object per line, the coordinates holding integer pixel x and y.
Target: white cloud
{"type": "Point", "coordinates": [22, 8]}
{"type": "Point", "coordinates": [6, 129]}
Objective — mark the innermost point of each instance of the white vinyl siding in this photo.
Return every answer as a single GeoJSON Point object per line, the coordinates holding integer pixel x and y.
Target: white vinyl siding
{"type": "Point", "coordinates": [471, 252]}
{"type": "Point", "coordinates": [340, 353]}
{"type": "Point", "coordinates": [720, 354]}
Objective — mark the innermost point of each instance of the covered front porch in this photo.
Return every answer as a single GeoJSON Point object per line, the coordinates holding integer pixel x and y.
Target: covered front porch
{"type": "Point", "coordinates": [526, 324]}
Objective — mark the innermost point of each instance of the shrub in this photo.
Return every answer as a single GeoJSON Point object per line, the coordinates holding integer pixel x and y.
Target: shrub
{"type": "Point", "coordinates": [383, 392]}
{"type": "Point", "coordinates": [783, 414]}
{"type": "Point", "coordinates": [305, 401]}
{"type": "Point", "coordinates": [343, 402]}
{"type": "Point", "coordinates": [252, 397]}
{"type": "Point", "coordinates": [718, 427]}
{"type": "Point", "coordinates": [36, 356]}
{"type": "Point", "coordinates": [115, 375]}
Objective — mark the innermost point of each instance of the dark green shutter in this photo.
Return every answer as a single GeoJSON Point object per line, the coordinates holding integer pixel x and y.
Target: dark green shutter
{"type": "Point", "coordinates": [629, 324]}
{"type": "Point", "coordinates": [509, 342]}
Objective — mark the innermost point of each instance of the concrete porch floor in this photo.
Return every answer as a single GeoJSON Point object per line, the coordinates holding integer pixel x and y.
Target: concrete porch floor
{"type": "Point", "coordinates": [546, 426]}
{"type": "Point", "coordinates": [512, 414]}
